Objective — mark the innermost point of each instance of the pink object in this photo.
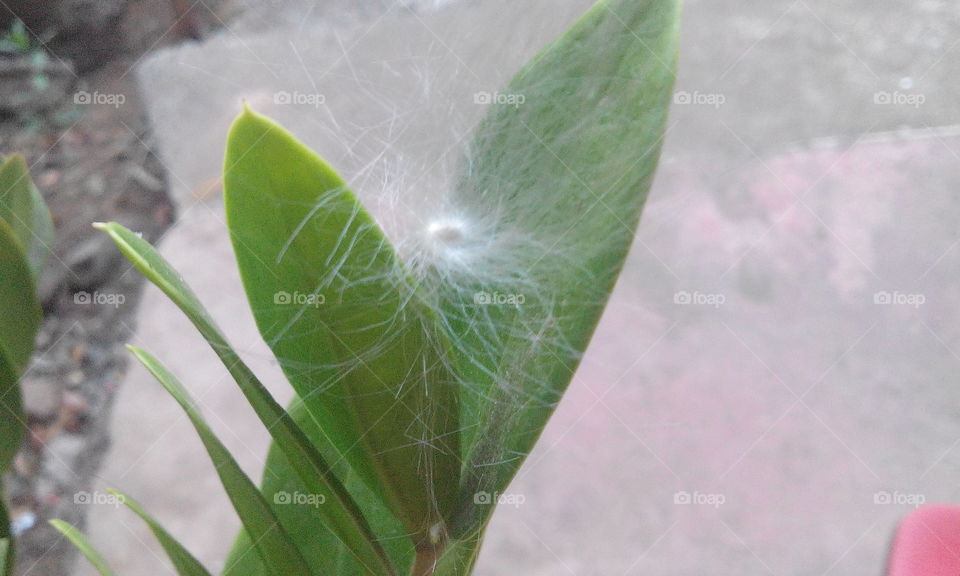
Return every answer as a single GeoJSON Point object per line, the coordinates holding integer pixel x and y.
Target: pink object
{"type": "Point", "coordinates": [927, 543]}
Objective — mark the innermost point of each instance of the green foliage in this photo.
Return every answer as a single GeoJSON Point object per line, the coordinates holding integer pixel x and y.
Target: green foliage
{"type": "Point", "coordinates": [182, 560]}
{"type": "Point", "coordinates": [418, 398]}
{"type": "Point", "coordinates": [320, 545]}
{"type": "Point", "coordinates": [389, 403]}
{"type": "Point", "coordinates": [343, 516]}
{"type": "Point", "coordinates": [83, 545]}
{"type": "Point", "coordinates": [594, 115]}
{"type": "Point", "coordinates": [25, 234]}
{"type": "Point", "coordinates": [23, 208]}
{"type": "Point", "coordinates": [6, 540]}
{"type": "Point", "coordinates": [279, 554]}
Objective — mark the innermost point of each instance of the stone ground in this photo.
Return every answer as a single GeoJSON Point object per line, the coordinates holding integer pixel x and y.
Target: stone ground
{"type": "Point", "coordinates": [91, 161]}
{"type": "Point", "coordinates": [772, 387]}
{"type": "Point", "coordinates": [95, 170]}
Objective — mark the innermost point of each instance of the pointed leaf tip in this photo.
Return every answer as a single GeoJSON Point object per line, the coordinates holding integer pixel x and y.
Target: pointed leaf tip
{"type": "Point", "coordinates": [357, 345]}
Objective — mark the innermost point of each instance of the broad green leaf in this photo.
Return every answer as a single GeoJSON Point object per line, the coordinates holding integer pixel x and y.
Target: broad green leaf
{"type": "Point", "coordinates": [342, 512]}
{"type": "Point", "coordinates": [84, 546]}
{"type": "Point", "coordinates": [298, 513]}
{"type": "Point", "coordinates": [184, 562]}
{"type": "Point", "coordinates": [23, 208]}
{"type": "Point", "coordinates": [565, 174]}
{"type": "Point", "coordinates": [19, 308]}
{"type": "Point", "coordinates": [20, 317]}
{"type": "Point", "coordinates": [25, 233]}
{"type": "Point", "coordinates": [337, 308]}
{"type": "Point", "coordinates": [271, 541]}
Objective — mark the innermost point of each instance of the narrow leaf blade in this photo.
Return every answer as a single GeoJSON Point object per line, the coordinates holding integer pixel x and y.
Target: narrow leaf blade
{"type": "Point", "coordinates": [342, 513]}
{"type": "Point", "coordinates": [80, 541]}
{"type": "Point", "coordinates": [184, 562]}
{"type": "Point", "coordinates": [297, 508]}
{"type": "Point", "coordinates": [273, 544]}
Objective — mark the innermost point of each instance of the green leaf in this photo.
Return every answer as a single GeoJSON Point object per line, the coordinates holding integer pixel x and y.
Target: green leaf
{"type": "Point", "coordinates": [19, 307]}
{"type": "Point", "coordinates": [6, 539]}
{"type": "Point", "coordinates": [271, 541]}
{"type": "Point", "coordinates": [5, 567]}
{"type": "Point", "coordinates": [298, 513]}
{"type": "Point", "coordinates": [24, 220]}
{"type": "Point", "coordinates": [11, 435]}
{"type": "Point", "coordinates": [461, 556]}
{"type": "Point", "coordinates": [23, 208]}
{"type": "Point", "coordinates": [182, 559]}
{"type": "Point", "coordinates": [339, 311]}
{"type": "Point", "coordinates": [566, 173]}
{"type": "Point", "coordinates": [20, 317]}
{"type": "Point", "coordinates": [83, 545]}
{"type": "Point", "coordinates": [12, 423]}
{"type": "Point", "coordinates": [342, 513]}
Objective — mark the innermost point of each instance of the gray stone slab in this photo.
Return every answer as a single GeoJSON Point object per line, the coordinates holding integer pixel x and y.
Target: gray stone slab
{"type": "Point", "coordinates": [401, 89]}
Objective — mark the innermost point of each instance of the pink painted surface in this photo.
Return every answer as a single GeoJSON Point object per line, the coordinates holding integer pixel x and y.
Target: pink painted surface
{"type": "Point", "coordinates": [927, 543]}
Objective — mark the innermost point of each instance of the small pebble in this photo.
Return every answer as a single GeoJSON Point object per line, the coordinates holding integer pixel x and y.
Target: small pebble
{"type": "Point", "coordinates": [48, 179]}
{"type": "Point", "coordinates": [24, 465]}
{"type": "Point", "coordinates": [74, 412]}
{"type": "Point", "coordinates": [23, 522]}
{"type": "Point", "coordinates": [40, 435]}
{"type": "Point", "coordinates": [79, 351]}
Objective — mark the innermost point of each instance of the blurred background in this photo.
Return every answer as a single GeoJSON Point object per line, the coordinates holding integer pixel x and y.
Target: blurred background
{"type": "Point", "coordinates": [771, 389]}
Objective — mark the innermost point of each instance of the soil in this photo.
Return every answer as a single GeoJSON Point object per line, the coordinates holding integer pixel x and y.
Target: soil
{"type": "Point", "coordinates": [92, 160]}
